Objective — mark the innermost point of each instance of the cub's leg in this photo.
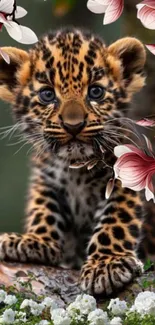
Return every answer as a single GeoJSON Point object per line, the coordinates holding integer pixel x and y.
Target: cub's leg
{"type": "Point", "coordinates": [112, 260]}
{"type": "Point", "coordinates": [43, 239]}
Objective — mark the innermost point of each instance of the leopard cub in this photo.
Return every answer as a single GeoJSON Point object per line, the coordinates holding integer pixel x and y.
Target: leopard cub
{"type": "Point", "coordinates": [67, 93]}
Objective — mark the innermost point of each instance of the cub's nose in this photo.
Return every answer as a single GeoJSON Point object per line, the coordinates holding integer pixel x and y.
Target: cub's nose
{"type": "Point", "coordinates": [73, 117]}
{"type": "Point", "coordinates": [74, 129]}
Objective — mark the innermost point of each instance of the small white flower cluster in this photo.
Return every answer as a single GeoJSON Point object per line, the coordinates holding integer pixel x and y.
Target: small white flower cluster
{"type": "Point", "coordinates": [98, 317]}
{"type": "Point", "coordinates": [117, 307]}
{"type": "Point", "coordinates": [82, 311]}
{"type": "Point", "coordinates": [60, 317]}
{"type": "Point", "coordinates": [35, 308]}
{"type": "Point", "coordinates": [10, 316]}
{"type": "Point", "coordinates": [85, 306]}
{"type": "Point", "coordinates": [144, 303]}
{"type": "Point", "coordinates": [116, 321]}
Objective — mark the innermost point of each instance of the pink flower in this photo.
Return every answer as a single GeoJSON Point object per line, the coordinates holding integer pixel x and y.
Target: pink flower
{"type": "Point", "coordinates": [109, 188]}
{"type": "Point", "coordinates": [146, 122]}
{"type": "Point", "coordinates": [9, 14]}
{"type": "Point", "coordinates": [5, 56]}
{"type": "Point", "coordinates": [151, 48]}
{"type": "Point", "coordinates": [135, 169]}
{"type": "Point", "coordinates": [112, 9]}
{"type": "Point", "coordinates": [146, 13]}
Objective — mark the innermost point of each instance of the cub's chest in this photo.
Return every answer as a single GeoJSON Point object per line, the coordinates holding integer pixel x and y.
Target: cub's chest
{"type": "Point", "coordinates": [80, 189]}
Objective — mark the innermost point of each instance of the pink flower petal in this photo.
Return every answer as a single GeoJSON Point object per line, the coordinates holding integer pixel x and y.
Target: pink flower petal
{"type": "Point", "coordinates": [20, 12]}
{"type": "Point", "coordinates": [139, 6]}
{"type": "Point", "coordinates": [21, 34]}
{"type": "Point", "coordinates": [149, 189]}
{"type": "Point", "coordinates": [147, 17]}
{"type": "Point", "coordinates": [132, 149]}
{"type": "Point", "coordinates": [92, 164]}
{"type": "Point", "coordinates": [121, 150]}
{"type": "Point", "coordinates": [151, 48]}
{"type": "Point", "coordinates": [134, 180]}
{"type": "Point", "coordinates": [114, 11]}
{"type": "Point", "coordinates": [96, 7]}
{"type": "Point", "coordinates": [131, 173]}
{"type": "Point", "coordinates": [3, 20]}
{"type": "Point", "coordinates": [149, 194]}
{"type": "Point", "coordinates": [135, 169]}
{"type": "Point", "coordinates": [103, 2]}
{"type": "Point", "coordinates": [14, 30]}
{"type": "Point", "coordinates": [5, 56]}
{"type": "Point", "coordinates": [136, 187]}
{"type": "Point", "coordinates": [7, 6]}
{"type": "Point", "coordinates": [109, 188]}
{"type": "Point", "coordinates": [146, 122]}
{"type": "Point", "coordinates": [149, 3]}
{"type": "Point", "coordinates": [78, 165]}
{"type": "Point", "coordinates": [149, 144]}
{"type": "Point", "coordinates": [28, 36]}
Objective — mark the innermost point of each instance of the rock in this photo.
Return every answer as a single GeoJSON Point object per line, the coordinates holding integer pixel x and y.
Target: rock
{"type": "Point", "coordinates": [62, 284]}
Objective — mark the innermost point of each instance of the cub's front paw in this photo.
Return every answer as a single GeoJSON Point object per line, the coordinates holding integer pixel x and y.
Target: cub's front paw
{"type": "Point", "coordinates": [29, 248]}
{"type": "Point", "coordinates": [109, 274]}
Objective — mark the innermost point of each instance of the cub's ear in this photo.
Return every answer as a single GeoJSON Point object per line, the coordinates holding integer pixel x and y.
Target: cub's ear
{"type": "Point", "coordinates": [15, 74]}
{"type": "Point", "coordinates": [132, 55]}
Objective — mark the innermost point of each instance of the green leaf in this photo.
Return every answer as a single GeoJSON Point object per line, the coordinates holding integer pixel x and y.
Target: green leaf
{"type": "Point", "coordinates": [148, 264]}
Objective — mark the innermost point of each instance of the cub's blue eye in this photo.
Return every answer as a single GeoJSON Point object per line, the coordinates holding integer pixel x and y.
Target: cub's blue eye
{"type": "Point", "coordinates": [47, 95]}
{"type": "Point", "coordinates": [96, 92]}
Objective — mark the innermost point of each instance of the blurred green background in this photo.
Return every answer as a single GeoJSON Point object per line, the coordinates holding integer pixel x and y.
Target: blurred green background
{"type": "Point", "coordinates": [43, 16]}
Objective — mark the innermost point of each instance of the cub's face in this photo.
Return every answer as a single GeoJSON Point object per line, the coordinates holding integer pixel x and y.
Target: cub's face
{"type": "Point", "coordinates": [68, 87]}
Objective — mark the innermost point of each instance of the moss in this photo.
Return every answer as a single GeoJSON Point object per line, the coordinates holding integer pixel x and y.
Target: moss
{"type": "Point", "coordinates": [136, 319]}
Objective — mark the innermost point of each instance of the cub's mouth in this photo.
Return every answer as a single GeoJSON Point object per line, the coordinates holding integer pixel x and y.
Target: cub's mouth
{"type": "Point", "coordinates": [76, 153]}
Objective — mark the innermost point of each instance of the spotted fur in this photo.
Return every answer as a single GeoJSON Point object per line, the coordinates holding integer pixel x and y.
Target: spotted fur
{"type": "Point", "coordinates": [68, 219]}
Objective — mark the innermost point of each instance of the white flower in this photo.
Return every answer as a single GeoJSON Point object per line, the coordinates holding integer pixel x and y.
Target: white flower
{"type": "Point", "coordinates": [116, 321]}
{"type": "Point", "coordinates": [8, 316]}
{"type": "Point", "coordinates": [60, 317]}
{"type": "Point", "coordinates": [49, 302]}
{"type": "Point", "coordinates": [36, 309]}
{"type": "Point", "coordinates": [25, 303]}
{"type": "Point", "coordinates": [144, 303]}
{"type": "Point", "coordinates": [78, 318]}
{"type": "Point", "coordinates": [20, 33]}
{"type": "Point", "coordinates": [21, 316]}
{"type": "Point", "coordinates": [2, 295]}
{"type": "Point", "coordinates": [10, 300]}
{"type": "Point", "coordinates": [43, 322]}
{"type": "Point", "coordinates": [83, 303]}
{"type": "Point", "coordinates": [73, 309]}
{"type": "Point", "coordinates": [117, 307]}
{"type": "Point", "coordinates": [98, 317]}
